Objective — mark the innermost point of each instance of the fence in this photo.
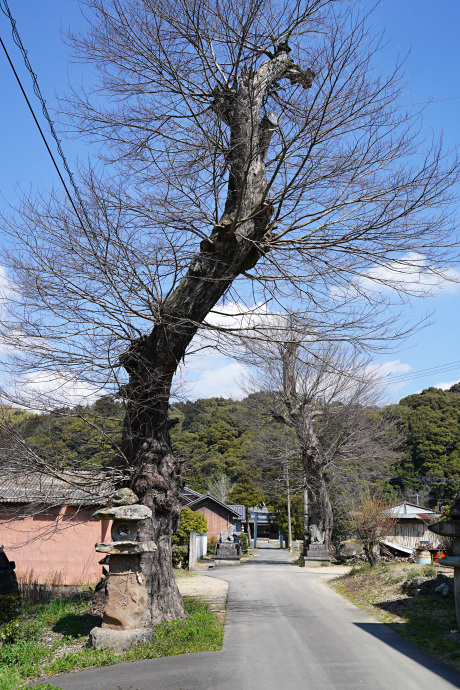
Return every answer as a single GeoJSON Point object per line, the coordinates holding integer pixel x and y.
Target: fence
{"type": "Point", "coordinates": [201, 545]}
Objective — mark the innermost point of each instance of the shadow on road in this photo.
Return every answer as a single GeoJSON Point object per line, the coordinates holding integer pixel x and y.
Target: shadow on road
{"type": "Point", "coordinates": [269, 554]}
{"type": "Point", "coordinates": [392, 639]}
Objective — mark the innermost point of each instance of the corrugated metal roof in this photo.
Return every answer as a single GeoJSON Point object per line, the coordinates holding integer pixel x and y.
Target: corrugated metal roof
{"type": "Point", "coordinates": [76, 488]}
{"type": "Point", "coordinates": [398, 547]}
{"type": "Point", "coordinates": [406, 510]}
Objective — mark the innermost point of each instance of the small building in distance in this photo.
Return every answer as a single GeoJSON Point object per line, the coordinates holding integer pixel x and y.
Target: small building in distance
{"type": "Point", "coordinates": [410, 527]}
{"type": "Point", "coordinates": [219, 515]}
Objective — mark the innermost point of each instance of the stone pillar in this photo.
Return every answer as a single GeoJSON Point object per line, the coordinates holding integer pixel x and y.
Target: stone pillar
{"type": "Point", "coordinates": [127, 594]}
{"type": "Point", "coordinates": [451, 528]}
{"type": "Point", "coordinates": [192, 551]}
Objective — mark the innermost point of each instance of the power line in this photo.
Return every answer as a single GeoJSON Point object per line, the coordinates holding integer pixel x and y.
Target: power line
{"type": "Point", "coordinates": [426, 372]}
{"type": "Point", "coordinates": [17, 39]}
{"type": "Point", "coordinates": [434, 100]}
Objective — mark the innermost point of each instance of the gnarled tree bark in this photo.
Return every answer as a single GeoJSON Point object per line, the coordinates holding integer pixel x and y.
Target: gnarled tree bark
{"type": "Point", "coordinates": [232, 247]}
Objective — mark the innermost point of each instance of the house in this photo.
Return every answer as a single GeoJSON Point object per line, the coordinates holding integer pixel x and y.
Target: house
{"type": "Point", "coordinates": [218, 515]}
{"type": "Point", "coordinates": [410, 527]}
{"type": "Point", "coordinates": [46, 525]}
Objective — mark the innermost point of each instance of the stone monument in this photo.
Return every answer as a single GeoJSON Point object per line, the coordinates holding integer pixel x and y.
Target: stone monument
{"type": "Point", "coordinates": [126, 590]}
{"type": "Point", "coordinates": [316, 550]}
{"type": "Point", "coordinates": [451, 528]}
{"type": "Point", "coordinates": [227, 552]}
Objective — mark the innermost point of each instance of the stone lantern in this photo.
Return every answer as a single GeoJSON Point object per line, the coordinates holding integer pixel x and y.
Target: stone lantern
{"type": "Point", "coordinates": [126, 590]}
{"type": "Point", "coordinates": [451, 528]}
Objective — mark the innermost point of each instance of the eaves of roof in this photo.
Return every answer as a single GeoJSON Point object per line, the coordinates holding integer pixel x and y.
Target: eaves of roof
{"type": "Point", "coordinates": [76, 488]}
{"type": "Point", "coordinates": [209, 496]}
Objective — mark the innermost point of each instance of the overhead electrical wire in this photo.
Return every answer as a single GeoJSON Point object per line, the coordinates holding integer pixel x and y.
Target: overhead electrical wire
{"type": "Point", "coordinates": [449, 366]}
{"type": "Point", "coordinates": [17, 39]}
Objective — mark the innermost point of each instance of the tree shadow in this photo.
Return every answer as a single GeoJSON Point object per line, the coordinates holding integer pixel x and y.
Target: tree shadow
{"type": "Point", "coordinates": [426, 631]}
{"type": "Point", "coordinates": [76, 624]}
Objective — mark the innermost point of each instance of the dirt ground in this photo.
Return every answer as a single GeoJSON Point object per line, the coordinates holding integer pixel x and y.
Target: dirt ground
{"type": "Point", "coordinates": [207, 589]}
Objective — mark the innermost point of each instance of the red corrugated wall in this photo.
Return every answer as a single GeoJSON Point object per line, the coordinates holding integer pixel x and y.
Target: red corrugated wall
{"type": "Point", "coordinates": [55, 546]}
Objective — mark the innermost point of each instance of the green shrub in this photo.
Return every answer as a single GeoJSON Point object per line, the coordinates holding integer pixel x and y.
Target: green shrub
{"type": "Point", "coordinates": [189, 520]}
{"type": "Point", "coordinates": [244, 542]}
{"type": "Point", "coordinates": [179, 555]}
{"type": "Point", "coordinates": [20, 630]}
{"type": "Point", "coordinates": [9, 678]}
{"type": "Point", "coordinates": [10, 607]}
{"type": "Point", "coordinates": [211, 547]}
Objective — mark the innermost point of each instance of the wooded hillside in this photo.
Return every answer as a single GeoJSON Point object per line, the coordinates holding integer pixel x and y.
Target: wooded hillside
{"type": "Point", "coordinates": [431, 424]}
{"type": "Point", "coordinates": [220, 437]}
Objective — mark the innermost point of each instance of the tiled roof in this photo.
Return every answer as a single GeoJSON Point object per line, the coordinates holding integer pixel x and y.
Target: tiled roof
{"type": "Point", "coordinates": [209, 496]}
{"type": "Point", "coordinates": [188, 495]}
{"type": "Point", "coordinates": [82, 488]}
{"type": "Point", "coordinates": [237, 508]}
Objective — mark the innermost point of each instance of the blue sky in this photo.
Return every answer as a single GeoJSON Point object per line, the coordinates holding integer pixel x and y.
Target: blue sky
{"type": "Point", "coordinates": [431, 31]}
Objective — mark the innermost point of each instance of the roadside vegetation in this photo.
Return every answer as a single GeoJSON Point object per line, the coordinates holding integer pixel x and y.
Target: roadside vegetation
{"type": "Point", "coordinates": [45, 639]}
{"type": "Point", "coordinates": [402, 596]}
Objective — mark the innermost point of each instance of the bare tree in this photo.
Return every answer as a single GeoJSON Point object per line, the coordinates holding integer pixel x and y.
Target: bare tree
{"type": "Point", "coordinates": [249, 151]}
{"type": "Point", "coordinates": [371, 521]}
{"type": "Point", "coordinates": [221, 487]}
{"type": "Point", "coordinates": [326, 394]}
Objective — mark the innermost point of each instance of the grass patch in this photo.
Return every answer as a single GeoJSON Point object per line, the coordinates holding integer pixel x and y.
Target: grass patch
{"type": "Point", "coordinates": [426, 620]}
{"type": "Point", "coordinates": [51, 638]}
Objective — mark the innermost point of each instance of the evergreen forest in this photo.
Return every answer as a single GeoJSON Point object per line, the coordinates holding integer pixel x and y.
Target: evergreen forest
{"type": "Point", "coordinates": [231, 445]}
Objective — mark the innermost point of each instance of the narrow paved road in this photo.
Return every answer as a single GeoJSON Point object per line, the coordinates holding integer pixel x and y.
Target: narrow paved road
{"type": "Point", "coordinates": [285, 629]}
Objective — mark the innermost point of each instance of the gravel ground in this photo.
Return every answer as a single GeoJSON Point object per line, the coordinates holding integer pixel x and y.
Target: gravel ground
{"type": "Point", "coordinates": [208, 589]}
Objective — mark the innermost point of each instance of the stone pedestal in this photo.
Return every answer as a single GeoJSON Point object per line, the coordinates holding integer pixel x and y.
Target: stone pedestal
{"type": "Point", "coordinates": [227, 551]}
{"type": "Point", "coordinates": [119, 640]}
{"type": "Point", "coordinates": [317, 552]}
{"type": "Point", "coordinates": [451, 528]}
{"type": "Point", "coordinates": [126, 588]}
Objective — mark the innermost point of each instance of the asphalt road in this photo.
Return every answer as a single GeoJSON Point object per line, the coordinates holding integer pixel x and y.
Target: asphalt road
{"type": "Point", "coordinates": [285, 629]}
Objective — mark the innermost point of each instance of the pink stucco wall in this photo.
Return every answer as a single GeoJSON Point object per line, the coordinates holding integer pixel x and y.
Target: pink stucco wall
{"type": "Point", "coordinates": [56, 546]}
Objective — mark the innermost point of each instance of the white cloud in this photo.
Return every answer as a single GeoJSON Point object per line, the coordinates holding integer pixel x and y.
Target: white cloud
{"type": "Point", "coordinates": [239, 318]}
{"type": "Point", "coordinates": [389, 368]}
{"type": "Point", "coordinates": [411, 273]}
{"type": "Point", "coordinates": [209, 368]}
{"type": "Point", "coordinates": [224, 381]}
{"type": "Point", "coordinates": [42, 391]}
{"type": "Point", "coordinates": [384, 372]}
{"type": "Point", "coordinates": [445, 385]}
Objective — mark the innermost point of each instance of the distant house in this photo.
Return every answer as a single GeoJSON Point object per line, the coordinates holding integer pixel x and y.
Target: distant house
{"type": "Point", "coordinates": [410, 527]}
{"type": "Point", "coordinates": [46, 525]}
{"type": "Point", "coordinates": [219, 515]}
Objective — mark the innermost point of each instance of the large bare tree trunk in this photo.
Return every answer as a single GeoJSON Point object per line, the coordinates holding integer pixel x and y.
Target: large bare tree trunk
{"type": "Point", "coordinates": [305, 519]}
{"type": "Point", "coordinates": [320, 504]}
{"type": "Point", "coordinates": [151, 362]}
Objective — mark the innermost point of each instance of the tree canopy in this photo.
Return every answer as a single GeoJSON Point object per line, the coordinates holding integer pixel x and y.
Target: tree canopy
{"type": "Point", "coordinates": [431, 422]}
